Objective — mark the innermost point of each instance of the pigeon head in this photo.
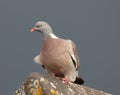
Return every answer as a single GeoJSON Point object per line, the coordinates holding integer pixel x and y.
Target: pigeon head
{"type": "Point", "coordinates": [42, 27]}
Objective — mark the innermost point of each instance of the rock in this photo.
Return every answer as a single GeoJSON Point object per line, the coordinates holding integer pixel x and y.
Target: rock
{"type": "Point", "coordinates": [38, 84]}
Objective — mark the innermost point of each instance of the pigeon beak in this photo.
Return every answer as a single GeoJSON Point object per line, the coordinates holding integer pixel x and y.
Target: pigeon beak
{"type": "Point", "coordinates": [33, 29]}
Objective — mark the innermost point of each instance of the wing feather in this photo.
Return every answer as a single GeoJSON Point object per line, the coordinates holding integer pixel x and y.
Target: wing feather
{"type": "Point", "coordinates": [74, 55]}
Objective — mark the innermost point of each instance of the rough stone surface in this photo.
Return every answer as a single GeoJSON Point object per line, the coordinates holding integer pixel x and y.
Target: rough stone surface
{"type": "Point", "coordinates": [37, 84]}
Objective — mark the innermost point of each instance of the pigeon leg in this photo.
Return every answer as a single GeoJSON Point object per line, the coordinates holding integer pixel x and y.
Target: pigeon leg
{"type": "Point", "coordinates": [66, 81]}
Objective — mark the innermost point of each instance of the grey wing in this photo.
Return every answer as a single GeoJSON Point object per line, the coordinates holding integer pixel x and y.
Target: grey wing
{"type": "Point", "coordinates": [74, 55]}
{"type": "Point", "coordinates": [37, 59]}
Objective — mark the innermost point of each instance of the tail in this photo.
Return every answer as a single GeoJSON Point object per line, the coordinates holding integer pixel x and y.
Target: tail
{"type": "Point", "coordinates": [79, 80]}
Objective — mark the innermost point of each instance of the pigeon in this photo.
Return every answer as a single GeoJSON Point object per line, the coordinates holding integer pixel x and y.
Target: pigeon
{"type": "Point", "coordinates": [57, 56]}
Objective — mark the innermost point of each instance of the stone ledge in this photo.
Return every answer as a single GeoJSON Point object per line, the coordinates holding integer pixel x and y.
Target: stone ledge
{"type": "Point", "coordinates": [38, 84]}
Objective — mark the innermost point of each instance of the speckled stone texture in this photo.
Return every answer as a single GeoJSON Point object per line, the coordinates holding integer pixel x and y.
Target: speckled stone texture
{"type": "Point", "coordinates": [38, 84]}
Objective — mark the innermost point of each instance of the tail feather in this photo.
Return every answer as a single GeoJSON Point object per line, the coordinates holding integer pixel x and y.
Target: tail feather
{"type": "Point", "coordinates": [79, 80]}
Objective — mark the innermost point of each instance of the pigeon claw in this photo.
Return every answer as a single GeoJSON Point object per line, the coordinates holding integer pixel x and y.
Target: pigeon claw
{"type": "Point", "coordinates": [65, 80]}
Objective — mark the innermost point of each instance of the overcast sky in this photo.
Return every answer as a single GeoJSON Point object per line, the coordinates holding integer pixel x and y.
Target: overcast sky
{"type": "Point", "coordinates": [94, 25]}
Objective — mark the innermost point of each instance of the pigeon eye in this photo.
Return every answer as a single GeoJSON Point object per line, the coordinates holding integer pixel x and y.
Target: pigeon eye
{"type": "Point", "coordinates": [39, 26]}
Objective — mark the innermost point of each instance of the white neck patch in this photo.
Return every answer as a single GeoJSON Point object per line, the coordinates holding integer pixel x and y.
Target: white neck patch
{"type": "Point", "coordinates": [53, 36]}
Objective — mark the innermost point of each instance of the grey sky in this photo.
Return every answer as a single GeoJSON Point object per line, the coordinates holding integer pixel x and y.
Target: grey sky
{"type": "Point", "coordinates": [92, 24]}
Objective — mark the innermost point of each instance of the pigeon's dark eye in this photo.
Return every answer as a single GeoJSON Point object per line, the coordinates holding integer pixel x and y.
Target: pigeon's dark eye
{"type": "Point", "coordinates": [38, 26]}
{"type": "Point", "coordinates": [41, 25]}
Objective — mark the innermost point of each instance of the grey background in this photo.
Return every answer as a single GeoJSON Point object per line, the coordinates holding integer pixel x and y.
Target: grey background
{"type": "Point", "coordinates": [92, 24]}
